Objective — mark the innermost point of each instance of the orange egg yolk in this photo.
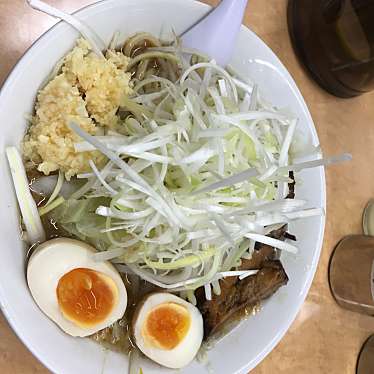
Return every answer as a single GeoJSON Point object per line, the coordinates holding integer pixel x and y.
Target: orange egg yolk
{"type": "Point", "coordinates": [166, 326]}
{"type": "Point", "coordinates": [86, 297]}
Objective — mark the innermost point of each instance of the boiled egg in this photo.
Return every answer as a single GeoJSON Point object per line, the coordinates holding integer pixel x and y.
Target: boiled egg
{"type": "Point", "coordinates": [168, 329]}
{"type": "Point", "coordinates": [80, 295]}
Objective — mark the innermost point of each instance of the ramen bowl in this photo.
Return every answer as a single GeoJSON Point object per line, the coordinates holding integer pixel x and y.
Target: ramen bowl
{"type": "Point", "coordinates": [250, 341]}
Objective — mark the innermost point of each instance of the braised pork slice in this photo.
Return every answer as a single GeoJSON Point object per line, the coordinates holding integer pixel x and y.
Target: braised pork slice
{"type": "Point", "coordinates": [237, 294]}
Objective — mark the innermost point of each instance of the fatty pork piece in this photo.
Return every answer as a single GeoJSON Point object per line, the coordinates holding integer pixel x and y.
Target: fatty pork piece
{"type": "Point", "coordinates": [238, 294]}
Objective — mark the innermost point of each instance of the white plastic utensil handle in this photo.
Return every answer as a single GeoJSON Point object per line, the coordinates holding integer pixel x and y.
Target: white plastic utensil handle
{"type": "Point", "coordinates": [315, 163]}
{"type": "Point", "coordinates": [96, 43]}
{"type": "Point", "coordinates": [216, 34]}
{"type": "Point", "coordinates": [252, 172]}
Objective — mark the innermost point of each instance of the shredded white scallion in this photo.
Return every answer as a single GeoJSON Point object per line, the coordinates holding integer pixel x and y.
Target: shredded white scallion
{"type": "Point", "coordinates": [196, 181]}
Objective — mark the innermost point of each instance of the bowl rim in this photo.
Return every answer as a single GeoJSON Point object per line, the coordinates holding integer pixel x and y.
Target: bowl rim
{"type": "Point", "coordinates": [12, 75]}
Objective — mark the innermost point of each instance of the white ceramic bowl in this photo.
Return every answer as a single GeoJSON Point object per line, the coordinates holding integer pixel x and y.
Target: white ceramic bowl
{"type": "Point", "coordinates": [244, 347]}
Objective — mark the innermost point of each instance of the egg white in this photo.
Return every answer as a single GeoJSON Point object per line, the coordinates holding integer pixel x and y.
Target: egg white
{"type": "Point", "coordinates": [53, 259]}
{"type": "Point", "coordinates": [186, 350]}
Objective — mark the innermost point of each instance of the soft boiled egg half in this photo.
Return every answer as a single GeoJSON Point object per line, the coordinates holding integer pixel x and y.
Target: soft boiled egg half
{"type": "Point", "coordinates": [80, 295]}
{"type": "Point", "coordinates": [168, 329]}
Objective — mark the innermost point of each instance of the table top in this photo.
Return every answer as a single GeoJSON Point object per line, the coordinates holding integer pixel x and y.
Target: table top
{"type": "Point", "coordinates": [324, 338]}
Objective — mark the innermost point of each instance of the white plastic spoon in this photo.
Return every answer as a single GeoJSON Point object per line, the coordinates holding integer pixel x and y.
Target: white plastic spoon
{"type": "Point", "coordinates": [96, 43]}
{"type": "Point", "coordinates": [216, 34]}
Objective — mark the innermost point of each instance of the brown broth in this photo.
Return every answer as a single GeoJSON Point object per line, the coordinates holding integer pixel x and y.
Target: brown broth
{"type": "Point", "coordinates": [233, 321]}
{"type": "Point", "coordinates": [53, 230]}
{"type": "Point", "coordinates": [141, 47]}
{"type": "Point", "coordinates": [32, 176]}
{"type": "Point", "coordinates": [121, 341]}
